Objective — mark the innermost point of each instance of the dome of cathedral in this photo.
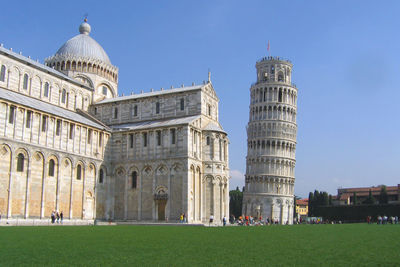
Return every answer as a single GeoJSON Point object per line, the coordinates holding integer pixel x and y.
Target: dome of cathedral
{"type": "Point", "coordinates": [83, 46]}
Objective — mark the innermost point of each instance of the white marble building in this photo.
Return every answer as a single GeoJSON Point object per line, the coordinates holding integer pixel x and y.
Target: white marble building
{"type": "Point", "coordinates": [271, 143]}
{"type": "Point", "coordinates": [70, 143]}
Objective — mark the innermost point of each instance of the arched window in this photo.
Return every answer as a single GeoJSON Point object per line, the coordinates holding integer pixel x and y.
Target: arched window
{"type": "Point", "coordinates": [280, 77]}
{"type": "Point", "coordinates": [51, 167]}
{"type": "Point", "coordinates": [78, 172]}
{"type": "Point", "coordinates": [134, 179]}
{"type": "Point", "coordinates": [182, 104]}
{"type": "Point", "coordinates": [25, 84]}
{"type": "Point", "coordinates": [104, 90]}
{"type": "Point", "coordinates": [20, 162]}
{"type": "Point", "coordinates": [46, 89]}
{"type": "Point", "coordinates": [63, 96]}
{"type": "Point", "coordinates": [3, 73]}
{"type": "Point", "coordinates": [101, 176]}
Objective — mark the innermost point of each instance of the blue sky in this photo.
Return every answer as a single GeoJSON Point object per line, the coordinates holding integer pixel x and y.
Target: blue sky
{"type": "Point", "coordinates": [346, 66]}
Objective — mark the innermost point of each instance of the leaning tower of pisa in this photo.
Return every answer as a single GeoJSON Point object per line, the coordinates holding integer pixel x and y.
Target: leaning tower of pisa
{"type": "Point", "coordinates": [271, 142]}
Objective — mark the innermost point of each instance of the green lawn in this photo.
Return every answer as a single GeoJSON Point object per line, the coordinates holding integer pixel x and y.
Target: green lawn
{"type": "Point", "coordinates": [304, 245]}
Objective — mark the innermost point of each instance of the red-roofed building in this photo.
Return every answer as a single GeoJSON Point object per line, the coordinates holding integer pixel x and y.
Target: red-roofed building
{"type": "Point", "coordinates": [345, 195]}
{"type": "Point", "coordinates": [302, 207]}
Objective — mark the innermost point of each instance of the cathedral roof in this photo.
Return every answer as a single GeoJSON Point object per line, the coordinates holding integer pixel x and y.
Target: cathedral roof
{"type": "Point", "coordinates": [40, 66]}
{"type": "Point", "coordinates": [154, 93]}
{"type": "Point", "coordinates": [48, 108]}
{"type": "Point", "coordinates": [214, 127]}
{"type": "Point", "coordinates": [154, 123]}
{"type": "Point", "coordinates": [83, 46]}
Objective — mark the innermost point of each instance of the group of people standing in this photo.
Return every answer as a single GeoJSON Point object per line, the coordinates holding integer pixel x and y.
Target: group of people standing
{"type": "Point", "coordinates": [55, 215]}
{"type": "Point", "coordinates": [384, 219]}
{"type": "Point", "coordinates": [182, 218]}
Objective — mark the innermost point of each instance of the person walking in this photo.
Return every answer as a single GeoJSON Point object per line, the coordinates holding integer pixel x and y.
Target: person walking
{"type": "Point", "coordinates": [61, 217]}
{"type": "Point", "coordinates": [58, 217]}
{"type": "Point", "coordinates": [224, 221]}
{"type": "Point", "coordinates": [211, 220]}
{"type": "Point", "coordinates": [53, 217]}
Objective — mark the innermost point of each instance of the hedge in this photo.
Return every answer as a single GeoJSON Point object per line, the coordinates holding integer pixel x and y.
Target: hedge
{"type": "Point", "coordinates": [356, 213]}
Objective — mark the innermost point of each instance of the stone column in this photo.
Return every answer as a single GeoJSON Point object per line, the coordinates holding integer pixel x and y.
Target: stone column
{"type": "Point", "coordinates": [10, 175]}
{"type": "Point", "coordinates": [28, 175]}
{"type": "Point", "coordinates": [58, 185]}
{"type": "Point", "coordinates": [126, 197]}
{"type": "Point", "coordinates": [83, 191]}
{"type": "Point", "coordinates": [44, 176]}
{"type": "Point", "coordinates": [71, 192]}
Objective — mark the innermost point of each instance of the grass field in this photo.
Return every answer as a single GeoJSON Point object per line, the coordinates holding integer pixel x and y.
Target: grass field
{"type": "Point", "coordinates": [304, 245]}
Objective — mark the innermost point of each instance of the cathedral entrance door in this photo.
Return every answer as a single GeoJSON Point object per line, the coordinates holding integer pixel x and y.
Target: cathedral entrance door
{"type": "Point", "coordinates": [161, 209]}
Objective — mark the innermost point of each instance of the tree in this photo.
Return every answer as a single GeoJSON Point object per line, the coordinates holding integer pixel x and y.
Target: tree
{"type": "Point", "coordinates": [370, 200]}
{"type": "Point", "coordinates": [310, 204]}
{"type": "Point", "coordinates": [330, 200]}
{"type": "Point", "coordinates": [235, 202]}
{"type": "Point", "coordinates": [324, 199]}
{"type": "Point", "coordinates": [354, 198]}
{"type": "Point", "coordinates": [383, 197]}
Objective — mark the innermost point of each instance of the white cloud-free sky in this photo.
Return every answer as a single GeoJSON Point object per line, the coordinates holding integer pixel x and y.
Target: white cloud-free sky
{"type": "Point", "coordinates": [346, 66]}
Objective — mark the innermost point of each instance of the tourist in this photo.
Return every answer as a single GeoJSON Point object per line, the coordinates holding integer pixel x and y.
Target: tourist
{"type": "Point", "coordinates": [61, 217]}
{"type": "Point", "coordinates": [58, 217]}
{"type": "Point", "coordinates": [224, 221]}
{"type": "Point", "coordinates": [184, 218]}
{"type": "Point", "coordinates": [211, 220]}
{"type": "Point", "coordinates": [181, 218]}
{"type": "Point", "coordinates": [53, 217]}
{"type": "Point", "coordinates": [379, 219]}
{"type": "Point", "coordinates": [0, 216]}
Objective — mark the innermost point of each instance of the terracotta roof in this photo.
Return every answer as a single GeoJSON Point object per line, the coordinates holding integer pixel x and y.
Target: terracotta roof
{"type": "Point", "coordinates": [303, 201]}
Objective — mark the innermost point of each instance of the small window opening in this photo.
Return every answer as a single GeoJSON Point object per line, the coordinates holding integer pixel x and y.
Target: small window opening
{"type": "Point", "coordinates": [58, 127]}
{"type": "Point", "coordinates": [44, 123]}
{"type": "Point", "coordinates": [144, 139]}
{"type": "Point", "coordinates": [78, 172]}
{"type": "Point", "coordinates": [158, 138]}
{"type": "Point", "coordinates": [63, 96]}
{"type": "Point", "coordinates": [173, 136]}
{"type": "Point", "coordinates": [20, 162]}
{"type": "Point", "coordinates": [11, 115]}
{"type": "Point", "coordinates": [26, 80]}
{"type": "Point", "coordinates": [3, 73]}
{"type": "Point", "coordinates": [182, 104]}
{"type": "Point", "coordinates": [46, 90]}
{"type": "Point", "coordinates": [101, 176]}
{"type": "Point", "coordinates": [134, 180]}
{"type": "Point", "coordinates": [157, 107]}
{"type": "Point", "coordinates": [51, 167]}
{"type": "Point", "coordinates": [28, 119]}
{"type": "Point", "coordinates": [71, 131]}
{"type": "Point", "coordinates": [131, 140]}
{"type": "Point", "coordinates": [89, 137]}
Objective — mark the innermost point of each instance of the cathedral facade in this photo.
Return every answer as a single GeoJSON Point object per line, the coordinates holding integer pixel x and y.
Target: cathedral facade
{"type": "Point", "coordinates": [69, 143]}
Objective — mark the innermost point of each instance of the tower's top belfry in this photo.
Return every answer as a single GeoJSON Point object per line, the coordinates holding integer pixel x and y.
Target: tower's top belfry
{"type": "Point", "coordinates": [274, 69]}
